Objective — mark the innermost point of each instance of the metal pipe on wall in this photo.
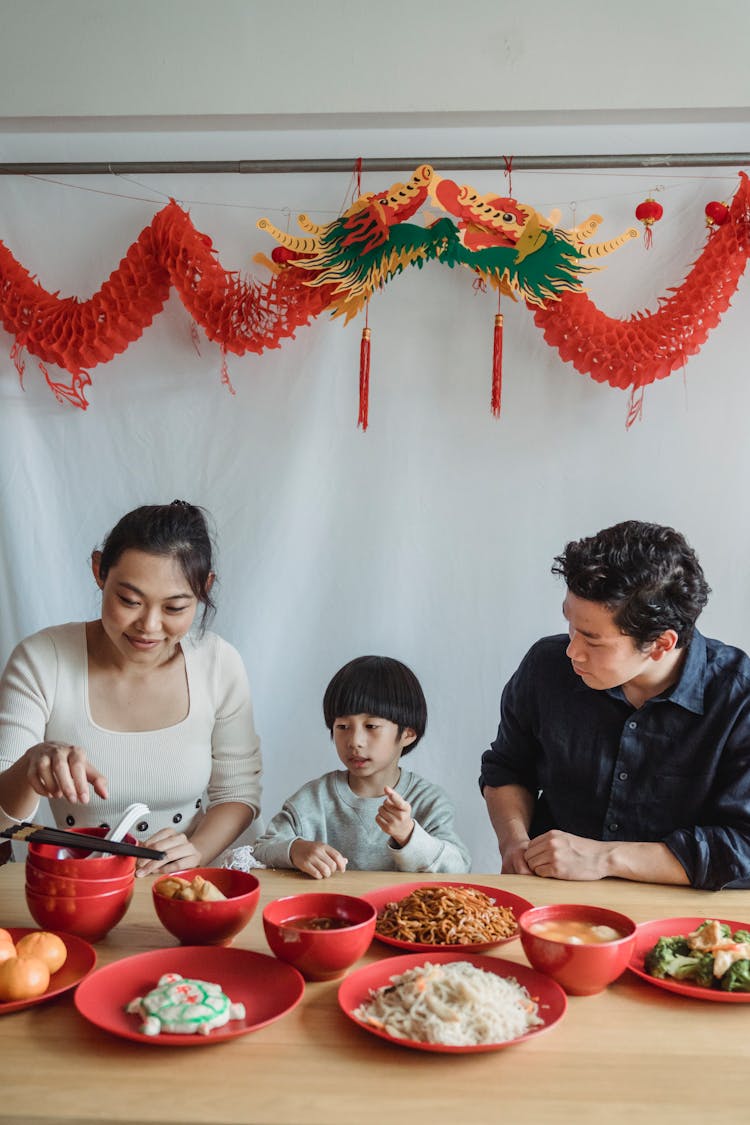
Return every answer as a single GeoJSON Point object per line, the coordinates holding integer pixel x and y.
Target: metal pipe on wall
{"type": "Point", "coordinates": [377, 164]}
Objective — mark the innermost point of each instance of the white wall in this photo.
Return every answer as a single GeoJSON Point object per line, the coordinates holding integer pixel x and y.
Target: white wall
{"type": "Point", "coordinates": [431, 536]}
{"type": "Point", "coordinates": [292, 57]}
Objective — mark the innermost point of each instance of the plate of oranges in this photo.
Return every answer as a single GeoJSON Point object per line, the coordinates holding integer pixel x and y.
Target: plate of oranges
{"type": "Point", "coordinates": [36, 965]}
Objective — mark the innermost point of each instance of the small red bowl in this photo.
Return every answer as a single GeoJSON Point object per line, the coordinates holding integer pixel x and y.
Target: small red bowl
{"type": "Point", "coordinates": [55, 859]}
{"type": "Point", "coordinates": [45, 883]}
{"type": "Point", "coordinates": [209, 923]}
{"type": "Point", "coordinates": [90, 918]}
{"type": "Point", "coordinates": [582, 969]}
{"type": "Point", "coordinates": [319, 954]}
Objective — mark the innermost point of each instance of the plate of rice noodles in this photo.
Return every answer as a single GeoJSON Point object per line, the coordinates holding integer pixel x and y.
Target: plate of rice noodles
{"type": "Point", "coordinates": [454, 1003]}
{"type": "Point", "coordinates": [703, 958]}
{"type": "Point", "coordinates": [421, 917]}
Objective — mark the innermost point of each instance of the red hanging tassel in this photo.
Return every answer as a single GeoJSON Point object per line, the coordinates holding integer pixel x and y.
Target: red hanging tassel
{"type": "Point", "coordinates": [364, 378]}
{"type": "Point", "coordinates": [497, 365]}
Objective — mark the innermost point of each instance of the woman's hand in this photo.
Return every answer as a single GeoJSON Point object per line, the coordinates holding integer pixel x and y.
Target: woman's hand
{"type": "Point", "coordinates": [181, 853]}
{"type": "Point", "coordinates": [62, 771]}
{"type": "Point", "coordinates": [316, 859]}
{"type": "Point", "coordinates": [394, 817]}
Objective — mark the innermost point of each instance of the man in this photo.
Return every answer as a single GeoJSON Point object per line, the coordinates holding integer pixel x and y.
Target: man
{"type": "Point", "coordinates": [624, 748]}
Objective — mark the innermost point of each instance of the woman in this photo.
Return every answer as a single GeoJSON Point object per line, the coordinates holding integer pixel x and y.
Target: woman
{"type": "Point", "coordinates": [133, 707]}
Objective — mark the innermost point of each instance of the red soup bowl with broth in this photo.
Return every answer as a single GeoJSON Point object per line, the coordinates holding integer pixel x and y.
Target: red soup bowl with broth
{"type": "Point", "coordinates": [208, 922]}
{"type": "Point", "coordinates": [583, 948]}
{"type": "Point", "coordinates": [322, 935]}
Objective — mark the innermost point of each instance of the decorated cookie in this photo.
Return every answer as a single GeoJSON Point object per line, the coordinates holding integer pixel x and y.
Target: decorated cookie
{"type": "Point", "coordinates": [184, 1007]}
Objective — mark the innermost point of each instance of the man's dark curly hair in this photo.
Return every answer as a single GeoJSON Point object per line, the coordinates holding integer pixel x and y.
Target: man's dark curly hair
{"type": "Point", "coordinates": [645, 574]}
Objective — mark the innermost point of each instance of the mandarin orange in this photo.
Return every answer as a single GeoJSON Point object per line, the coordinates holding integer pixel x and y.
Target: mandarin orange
{"type": "Point", "coordinates": [22, 978]}
{"type": "Point", "coordinates": [46, 946]}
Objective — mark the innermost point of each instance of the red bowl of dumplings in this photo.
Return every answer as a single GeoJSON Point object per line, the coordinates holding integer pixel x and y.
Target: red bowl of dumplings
{"type": "Point", "coordinates": [208, 922]}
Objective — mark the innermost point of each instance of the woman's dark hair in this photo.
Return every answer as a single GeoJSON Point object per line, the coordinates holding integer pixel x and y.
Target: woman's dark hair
{"type": "Point", "coordinates": [645, 574]}
{"type": "Point", "coordinates": [378, 686]}
{"type": "Point", "coordinates": [178, 530]}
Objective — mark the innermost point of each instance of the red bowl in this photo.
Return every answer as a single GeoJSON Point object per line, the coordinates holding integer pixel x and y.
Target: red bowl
{"type": "Point", "coordinates": [53, 858]}
{"type": "Point", "coordinates": [45, 883]}
{"type": "Point", "coordinates": [319, 954]}
{"type": "Point", "coordinates": [209, 923]}
{"type": "Point", "coordinates": [90, 918]}
{"type": "Point", "coordinates": [582, 969]}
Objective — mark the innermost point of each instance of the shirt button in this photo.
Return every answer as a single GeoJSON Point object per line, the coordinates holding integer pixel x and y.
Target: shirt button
{"type": "Point", "coordinates": [141, 826]}
{"type": "Point", "coordinates": [632, 724]}
{"type": "Point", "coordinates": [177, 818]}
{"type": "Point", "coordinates": [70, 820]}
{"type": "Point", "coordinates": [623, 776]}
{"type": "Point", "coordinates": [614, 826]}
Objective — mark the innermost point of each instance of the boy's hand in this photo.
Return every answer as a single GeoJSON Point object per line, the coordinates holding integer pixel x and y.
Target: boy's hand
{"type": "Point", "coordinates": [316, 859]}
{"type": "Point", "coordinates": [394, 817]}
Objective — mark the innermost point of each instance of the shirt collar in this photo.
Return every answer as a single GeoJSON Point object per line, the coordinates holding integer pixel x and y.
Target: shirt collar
{"type": "Point", "coordinates": [689, 690]}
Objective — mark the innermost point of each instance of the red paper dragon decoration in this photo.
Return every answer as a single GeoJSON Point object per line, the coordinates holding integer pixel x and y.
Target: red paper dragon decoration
{"type": "Point", "coordinates": [337, 268]}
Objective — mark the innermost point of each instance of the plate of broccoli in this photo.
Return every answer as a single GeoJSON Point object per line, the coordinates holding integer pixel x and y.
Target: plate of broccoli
{"type": "Point", "coordinates": [706, 958]}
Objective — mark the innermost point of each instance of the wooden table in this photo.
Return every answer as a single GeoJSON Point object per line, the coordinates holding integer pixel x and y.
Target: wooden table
{"type": "Point", "coordinates": [633, 1053]}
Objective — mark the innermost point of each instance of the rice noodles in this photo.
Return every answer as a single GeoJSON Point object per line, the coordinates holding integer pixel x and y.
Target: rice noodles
{"type": "Point", "coordinates": [453, 1003]}
{"type": "Point", "coordinates": [442, 915]}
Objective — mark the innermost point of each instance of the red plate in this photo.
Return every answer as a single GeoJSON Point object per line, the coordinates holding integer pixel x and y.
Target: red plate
{"type": "Point", "coordinates": [355, 990]}
{"type": "Point", "coordinates": [384, 895]}
{"type": "Point", "coordinates": [268, 988]}
{"type": "Point", "coordinates": [80, 961]}
{"type": "Point", "coordinates": [646, 936]}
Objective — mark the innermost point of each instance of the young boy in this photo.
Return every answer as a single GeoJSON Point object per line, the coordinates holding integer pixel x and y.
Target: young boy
{"type": "Point", "coordinates": [372, 815]}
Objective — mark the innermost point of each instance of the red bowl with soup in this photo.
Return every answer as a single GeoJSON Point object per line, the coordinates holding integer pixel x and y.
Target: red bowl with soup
{"type": "Point", "coordinates": [583, 948]}
{"type": "Point", "coordinates": [322, 935]}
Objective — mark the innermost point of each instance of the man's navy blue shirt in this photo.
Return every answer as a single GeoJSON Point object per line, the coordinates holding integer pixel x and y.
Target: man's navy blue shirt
{"type": "Point", "coordinates": [676, 770]}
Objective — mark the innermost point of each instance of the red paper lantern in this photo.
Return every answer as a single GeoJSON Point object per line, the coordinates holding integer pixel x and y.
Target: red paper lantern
{"type": "Point", "coordinates": [716, 213]}
{"type": "Point", "coordinates": [649, 212]}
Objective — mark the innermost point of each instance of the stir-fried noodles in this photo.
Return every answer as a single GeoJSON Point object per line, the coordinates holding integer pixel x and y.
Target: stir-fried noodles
{"type": "Point", "coordinates": [455, 1004]}
{"type": "Point", "coordinates": [441, 915]}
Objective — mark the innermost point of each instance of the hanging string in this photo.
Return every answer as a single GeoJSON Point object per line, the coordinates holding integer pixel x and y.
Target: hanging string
{"type": "Point", "coordinates": [497, 361]}
{"type": "Point", "coordinates": [508, 173]}
{"type": "Point", "coordinates": [364, 372]}
{"type": "Point", "coordinates": [635, 406]}
{"type": "Point", "coordinates": [364, 347]}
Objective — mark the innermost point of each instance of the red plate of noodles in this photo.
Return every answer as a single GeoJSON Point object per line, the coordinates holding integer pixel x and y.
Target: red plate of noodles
{"type": "Point", "coordinates": [453, 1003]}
{"type": "Point", "coordinates": [448, 917]}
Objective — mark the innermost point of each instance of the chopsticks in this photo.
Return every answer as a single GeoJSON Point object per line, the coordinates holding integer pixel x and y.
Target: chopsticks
{"type": "Point", "coordinates": [40, 834]}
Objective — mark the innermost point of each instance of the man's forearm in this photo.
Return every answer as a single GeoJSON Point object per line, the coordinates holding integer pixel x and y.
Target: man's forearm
{"type": "Point", "coordinates": [645, 863]}
{"type": "Point", "coordinates": [510, 808]}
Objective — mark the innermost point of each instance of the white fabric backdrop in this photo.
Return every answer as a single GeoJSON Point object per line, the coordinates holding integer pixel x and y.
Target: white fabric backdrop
{"type": "Point", "coordinates": [431, 536]}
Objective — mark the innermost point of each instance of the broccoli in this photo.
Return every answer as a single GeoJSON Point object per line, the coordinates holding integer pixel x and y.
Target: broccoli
{"type": "Point", "coordinates": [673, 957]}
{"type": "Point", "coordinates": [659, 960]}
{"type": "Point", "coordinates": [737, 977]}
{"type": "Point", "coordinates": [704, 971]}
{"type": "Point", "coordinates": [741, 936]}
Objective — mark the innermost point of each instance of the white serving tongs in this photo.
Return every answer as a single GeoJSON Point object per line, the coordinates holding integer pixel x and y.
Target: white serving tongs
{"type": "Point", "coordinates": [125, 823]}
